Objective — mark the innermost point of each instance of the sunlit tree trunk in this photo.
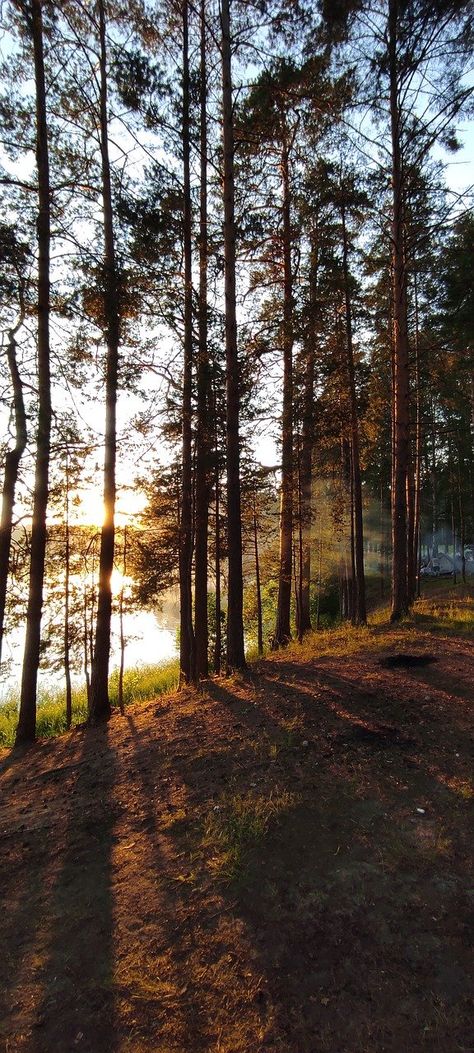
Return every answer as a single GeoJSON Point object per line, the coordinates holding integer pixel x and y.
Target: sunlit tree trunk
{"type": "Point", "coordinates": [217, 657]}
{"type": "Point", "coordinates": [202, 487]}
{"type": "Point", "coordinates": [235, 626]}
{"type": "Point", "coordinates": [27, 718]}
{"type": "Point", "coordinates": [359, 613]}
{"type": "Point", "coordinates": [100, 702]}
{"type": "Point", "coordinates": [307, 440]}
{"type": "Point", "coordinates": [258, 587]}
{"type": "Point", "coordinates": [121, 618]}
{"type": "Point", "coordinates": [67, 575]}
{"type": "Point", "coordinates": [282, 629]}
{"type": "Point", "coordinates": [400, 409]}
{"type": "Point", "coordinates": [187, 655]}
{"type": "Point", "coordinates": [418, 451]}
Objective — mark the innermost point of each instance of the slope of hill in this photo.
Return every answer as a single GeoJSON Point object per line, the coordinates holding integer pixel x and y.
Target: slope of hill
{"type": "Point", "coordinates": [277, 863]}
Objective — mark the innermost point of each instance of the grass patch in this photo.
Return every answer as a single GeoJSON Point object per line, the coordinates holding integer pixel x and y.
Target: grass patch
{"type": "Point", "coordinates": [447, 609]}
{"type": "Point", "coordinates": [452, 615]}
{"type": "Point", "coordinates": [236, 825]}
{"type": "Point", "coordinates": [145, 682]}
{"type": "Point", "coordinates": [139, 685]}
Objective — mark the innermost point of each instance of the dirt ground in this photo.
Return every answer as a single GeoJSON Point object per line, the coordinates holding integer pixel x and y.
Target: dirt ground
{"type": "Point", "coordinates": [276, 864]}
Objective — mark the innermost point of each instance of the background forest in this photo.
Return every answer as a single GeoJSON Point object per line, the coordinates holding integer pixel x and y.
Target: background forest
{"type": "Point", "coordinates": [237, 319]}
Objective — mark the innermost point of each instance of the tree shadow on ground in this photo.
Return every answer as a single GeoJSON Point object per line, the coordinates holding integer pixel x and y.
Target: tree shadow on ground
{"type": "Point", "coordinates": [64, 992]}
{"type": "Point", "coordinates": [246, 870]}
{"type": "Point", "coordinates": [345, 894]}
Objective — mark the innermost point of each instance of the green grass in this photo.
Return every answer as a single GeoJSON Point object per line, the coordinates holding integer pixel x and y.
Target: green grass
{"type": "Point", "coordinates": [444, 609]}
{"type": "Point", "coordinates": [140, 684]}
{"type": "Point", "coordinates": [239, 822]}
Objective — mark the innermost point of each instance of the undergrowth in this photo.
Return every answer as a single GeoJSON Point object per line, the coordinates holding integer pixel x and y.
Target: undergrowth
{"type": "Point", "coordinates": [140, 684]}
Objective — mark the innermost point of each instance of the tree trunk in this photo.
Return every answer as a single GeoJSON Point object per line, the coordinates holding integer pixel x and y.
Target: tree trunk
{"type": "Point", "coordinates": [122, 633]}
{"type": "Point", "coordinates": [217, 530]}
{"type": "Point", "coordinates": [218, 643]}
{"type": "Point", "coordinates": [348, 552]}
{"type": "Point", "coordinates": [307, 443]}
{"type": "Point", "coordinates": [235, 625]}
{"type": "Point", "coordinates": [67, 570]}
{"type": "Point", "coordinates": [85, 647]}
{"type": "Point", "coordinates": [418, 452]}
{"type": "Point", "coordinates": [462, 519]}
{"type": "Point", "coordinates": [27, 718]}
{"type": "Point", "coordinates": [453, 523]}
{"type": "Point", "coordinates": [100, 702]}
{"type": "Point", "coordinates": [320, 567]}
{"type": "Point", "coordinates": [186, 646]}
{"type": "Point", "coordinates": [298, 563]}
{"type": "Point", "coordinates": [400, 409]}
{"type": "Point", "coordinates": [382, 545]}
{"type": "Point", "coordinates": [282, 629]}
{"type": "Point", "coordinates": [12, 462]}
{"type": "Point", "coordinates": [257, 580]}
{"type": "Point", "coordinates": [203, 424]}
{"type": "Point", "coordinates": [434, 489]}
{"type": "Point", "coordinates": [359, 613]}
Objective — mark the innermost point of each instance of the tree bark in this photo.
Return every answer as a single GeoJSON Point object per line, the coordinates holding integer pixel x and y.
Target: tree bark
{"type": "Point", "coordinates": [235, 626]}
{"type": "Point", "coordinates": [12, 463]}
{"type": "Point", "coordinates": [100, 702]}
{"type": "Point", "coordinates": [306, 468]}
{"type": "Point", "coordinates": [400, 410]}
{"type": "Point", "coordinates": [218, 643]}
{"type": "Point", "coordinates": [67, 573]}
{"type": "Point", "coordinates": [27, 718]}
{"type": "Point", "coordinates": [257, 580]}
{"type": "Point", "coordinates": [282, 629]}
{"type": "Point", "coordinates": [203, 423]}
{"type": "Point", "coordinates": [187, 654]}
{"type": "Point", "coordinates": [418, 451]}
{"type": "Point", "coordinates": [122, 633]}
{"type": "Point", "coordinates": [359, 612]}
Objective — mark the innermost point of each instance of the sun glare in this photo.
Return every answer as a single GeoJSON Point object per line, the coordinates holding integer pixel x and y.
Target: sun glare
{"type": "Point", "coordinates": [90, 509]}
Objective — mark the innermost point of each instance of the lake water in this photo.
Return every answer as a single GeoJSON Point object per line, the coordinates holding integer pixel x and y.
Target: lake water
{"type": "Point", "coordinates": [148, 642]}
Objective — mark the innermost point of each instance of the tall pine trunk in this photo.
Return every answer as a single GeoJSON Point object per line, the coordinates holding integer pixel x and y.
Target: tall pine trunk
{"type": "Point", "coordinates": [67, 576]}
{"type": "Point", "coordinates": [186, 649]}
{"type": "Point", "coordinates": [27, 718]}
{"type": "Point", "coordinates": [100, 702]}
{"type": "Point", "coordinates": [400, 408]}
{"type": "Point", "coordinates": [418, 451]}
{"type": "Point", "coordinates": [258, 587]}
{"type": "Point", "coordinates": [12, 463]}
{"type": "Point", "coordinates": [307, 440]}
{"type": "Point", "coordinates": [235, 591]}
{"type": "Point", "coordinates": [218, 641]}
{"type": "Point", "coordinates": [282, 629]}
{"type": "Point", "coordinates": [203, 422]}
{"type": "Point", "coordinates": [359, 613]}
{"type": "Point", "coordinates": [122, 627]}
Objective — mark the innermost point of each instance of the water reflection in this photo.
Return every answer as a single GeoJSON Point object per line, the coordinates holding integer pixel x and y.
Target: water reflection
{"type": "Point", "coordinates": [150, 639]}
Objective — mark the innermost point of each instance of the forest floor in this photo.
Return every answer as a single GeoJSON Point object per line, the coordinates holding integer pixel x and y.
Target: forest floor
{"type": "Point", "coordinates": [277, 863]}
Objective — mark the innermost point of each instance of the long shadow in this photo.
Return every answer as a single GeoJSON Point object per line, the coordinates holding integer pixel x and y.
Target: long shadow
{"type": "Point", "coordinates": [208, 974]}
{"type": "Point", "coordinates": [344, 896]}
{"type": "Point", "coordinates": [76, 1006]}
{"type": "Point", "coordinates": [173, 994]}
{"type": "Point", "coordinates": [30, 837]}
{"type": "Point", "coordinates": [337, 897]}
{"type": "Point", "coordinates": [365, 727]}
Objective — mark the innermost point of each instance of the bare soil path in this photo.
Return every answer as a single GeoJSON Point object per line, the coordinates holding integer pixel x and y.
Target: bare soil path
{"type": "Point", "coordinates": [275, 864]}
